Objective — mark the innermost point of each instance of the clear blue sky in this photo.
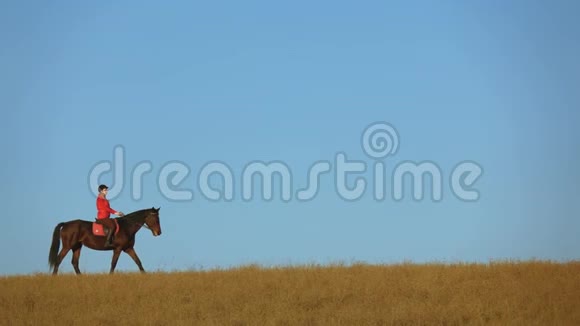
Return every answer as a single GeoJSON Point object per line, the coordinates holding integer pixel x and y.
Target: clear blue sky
{"type": "Point", "coordinates": [490, 81]}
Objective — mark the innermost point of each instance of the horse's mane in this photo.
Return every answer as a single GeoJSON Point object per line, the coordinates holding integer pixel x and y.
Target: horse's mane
{"type": "Point", "coordinates": [135, 217]}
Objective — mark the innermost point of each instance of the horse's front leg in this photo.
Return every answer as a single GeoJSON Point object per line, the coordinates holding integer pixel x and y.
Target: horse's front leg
{"type": "Point", "coordinates": [116, 254]}
{"type": "Point", "coordinates": [131, 252]}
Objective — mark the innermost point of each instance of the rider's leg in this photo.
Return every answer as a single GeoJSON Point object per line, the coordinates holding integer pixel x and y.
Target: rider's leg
{"type": "Point", "coordinates": [109, 234]}
{"type": "Point", "coordinates": [109, 228]}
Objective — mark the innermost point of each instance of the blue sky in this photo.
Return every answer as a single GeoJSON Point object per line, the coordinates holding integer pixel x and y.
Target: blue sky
{"type": "Point", "coordinates": [489, 81]}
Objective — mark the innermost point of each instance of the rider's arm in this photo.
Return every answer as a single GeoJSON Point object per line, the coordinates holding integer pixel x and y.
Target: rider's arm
{"type": "Point", "coordinates": [103, 205]}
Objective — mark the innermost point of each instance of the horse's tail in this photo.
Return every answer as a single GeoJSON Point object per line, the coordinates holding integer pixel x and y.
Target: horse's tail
{"type": "Point", "coordinates": [53, 255]}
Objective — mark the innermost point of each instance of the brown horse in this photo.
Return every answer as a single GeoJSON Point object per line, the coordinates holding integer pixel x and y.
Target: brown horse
{"type": "Point", "coordinates": [74, 234]}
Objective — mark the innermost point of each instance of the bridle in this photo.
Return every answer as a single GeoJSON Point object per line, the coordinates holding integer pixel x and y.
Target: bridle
{"type": "Point", "coordinates": [145, 225]}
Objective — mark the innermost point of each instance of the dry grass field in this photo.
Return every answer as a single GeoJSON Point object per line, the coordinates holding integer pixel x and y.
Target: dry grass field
{"type": "Point", "coordinates": [498, 293]}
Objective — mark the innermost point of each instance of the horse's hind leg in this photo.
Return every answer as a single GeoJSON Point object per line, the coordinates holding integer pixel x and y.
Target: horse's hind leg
{"type": "Point", "coordinates": [60, 257]}
{"type": "Point", "coordinates": [75, 258]}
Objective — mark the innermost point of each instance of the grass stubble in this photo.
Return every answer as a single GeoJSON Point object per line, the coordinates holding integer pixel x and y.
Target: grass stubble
{"type": "Point", "coordinates": [496, 293]}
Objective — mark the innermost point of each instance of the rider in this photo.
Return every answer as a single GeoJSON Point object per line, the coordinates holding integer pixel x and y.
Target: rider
{"type": "Point", "coordinates": [103, 214]}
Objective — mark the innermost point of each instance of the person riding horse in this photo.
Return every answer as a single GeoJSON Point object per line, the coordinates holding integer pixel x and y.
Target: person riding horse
{"type": "Point", "coordinates": [104, 212]}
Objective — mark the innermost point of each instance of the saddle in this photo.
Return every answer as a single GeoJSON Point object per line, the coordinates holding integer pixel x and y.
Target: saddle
{"type": "Point", "coordinates": [98, 229]}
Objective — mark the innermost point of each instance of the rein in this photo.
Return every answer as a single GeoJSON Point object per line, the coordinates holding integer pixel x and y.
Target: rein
{"type": "Point", "coordinates": [141, 224]}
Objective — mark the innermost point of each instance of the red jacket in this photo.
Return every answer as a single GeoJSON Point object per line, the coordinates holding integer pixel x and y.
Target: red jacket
{"type": "Point", "coordinates": [103, 208]}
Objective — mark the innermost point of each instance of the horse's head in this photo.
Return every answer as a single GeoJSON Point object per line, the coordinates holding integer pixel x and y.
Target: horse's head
{"type": "Point", "coordinates": [152, 221]}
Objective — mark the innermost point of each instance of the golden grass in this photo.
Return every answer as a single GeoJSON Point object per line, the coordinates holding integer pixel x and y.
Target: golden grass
{"type": "Point", "coordinates": [498, 293]}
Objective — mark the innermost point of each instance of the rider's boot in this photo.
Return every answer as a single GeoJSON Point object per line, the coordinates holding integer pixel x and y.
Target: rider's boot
{"type": "Point", "coordinates": [109, 242]}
